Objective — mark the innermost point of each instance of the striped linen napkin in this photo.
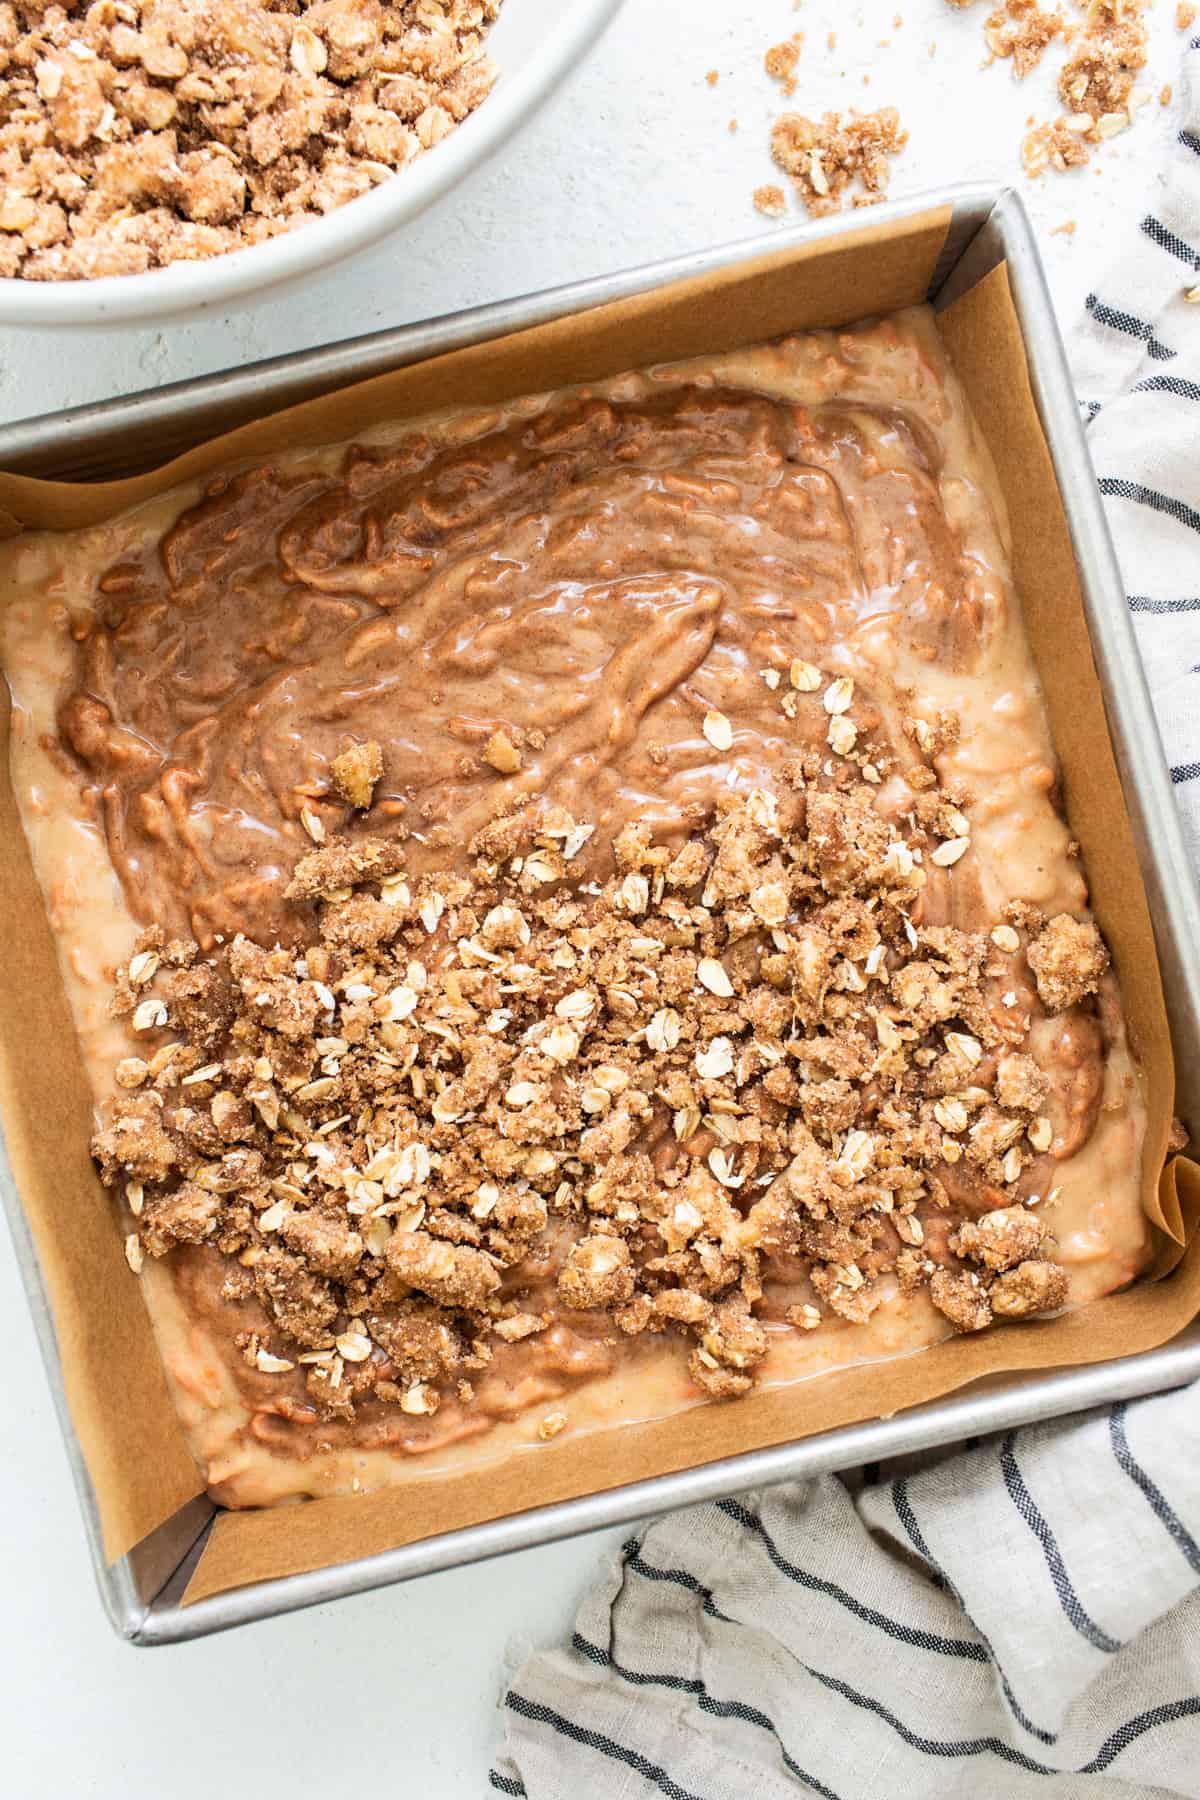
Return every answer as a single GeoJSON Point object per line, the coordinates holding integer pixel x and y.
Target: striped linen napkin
{"type": "Point", "coordinates": [1137, 371]}
{"type": "Point", "coordinates": [1022, 1617]}
{"type": "Point", "coordinates": [1019, 1619]}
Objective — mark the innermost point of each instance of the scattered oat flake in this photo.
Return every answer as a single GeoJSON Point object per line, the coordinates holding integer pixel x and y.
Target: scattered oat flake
{"type": "Point", "coordinates": [354, 1346]}
{"type": "Point", "coordinates": [430, 911]}
{"type": "Point", "coordinates": [843, 734]}
{"type": "Point", "coordinates": [951, 1115]}
{"type": "Point", "coordinates": [715, 1060]}
{"type": "Point", "coordinates": [663, 1031]}
{"type": "Point", "coordinates": [551, 1425]}
{"type": "Point", "coordinates": [1041, 1134]}
{"type": "Point", "coordinates": [149, 1016]}
{"type": "Point", "coordinates": [575, 839]}
{"type": "Point", "coordinates": [133, 1252]}
{"type": "Point", "coordinates": [712, 975]}
{"type": "Point", "coordinates": [717, 730]}
{"type": "Point", "coordinates": [142, 967]}
{"type": "Point", "coordinates": [963, 1045]}
{"type": "Point", "coordinates": [419, 1399]}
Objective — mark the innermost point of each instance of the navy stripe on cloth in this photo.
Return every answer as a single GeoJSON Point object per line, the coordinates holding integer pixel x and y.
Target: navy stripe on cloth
{"type": "Point", "coordinates": [1117, 1741]}
{"type": "Point", "coordinates": [1025, 1504]}
{"type": "Point", "coordinates": [1189, 140]}
{"type": "Point", "coordinates": [1184, 772]}
{"type": "Point", "coordinates": [684, 1579]}
{"type": "Point", "coordinates": [596, 1740]}
{"type": "Point", "coordinates": [908, 1518]}
{"type": "Point", "coordinates": [1143, 603]}
{"type": "Point", "coordinates": [679, 1577]}
{"type": "Point", "coordinates": [1168, 384]}
{"type": "Point", "coordinates": [1167, 240]}
{"type": "Point", "coordinates": [919, 1638]}
{"type": "Point", "coordinates": [1108, 1752]}
{"type": "Point", "coordinates": [718, 1709]}
{"type": "Point", "coordinates": [1130, 324]}
{"type": "Point", "coordinates": [1115, 488]}
{"type": "Point", "coordinates": [1155, 1498]}
{"type": "Point", "coordinates": [504, 1784]}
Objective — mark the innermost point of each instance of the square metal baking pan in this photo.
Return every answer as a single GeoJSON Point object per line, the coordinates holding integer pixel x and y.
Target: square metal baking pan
{"type": "Point", "coordinates": [142, 1592]}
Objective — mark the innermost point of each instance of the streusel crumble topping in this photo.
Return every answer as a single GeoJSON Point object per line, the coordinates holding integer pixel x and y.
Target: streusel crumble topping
{"type": "Point", "coordinates": [136, 133]}
{"type": "Point", "coordinates": [745, 1047]}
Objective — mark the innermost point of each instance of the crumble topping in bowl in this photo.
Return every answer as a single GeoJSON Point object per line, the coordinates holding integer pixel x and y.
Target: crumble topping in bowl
{"type": "Point", "coordinates": [136, 133]}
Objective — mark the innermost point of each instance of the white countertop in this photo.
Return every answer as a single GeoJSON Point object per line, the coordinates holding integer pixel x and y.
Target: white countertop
{"type": "Point", "coordinates": [631, 162]}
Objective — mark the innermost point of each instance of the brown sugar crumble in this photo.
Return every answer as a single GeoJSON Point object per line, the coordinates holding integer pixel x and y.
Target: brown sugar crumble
{"type": "Point", "coordinates": [826, 158]}
{"type": "Point", "coordinates": [1059, 146]}
{"type": "Point", "coordinates": [771, 200]}
{"type": "Point", "coordinates": [141, 133]}
{"type": "Point", "coordinates": [1095, 83]}
{"type": "Point", "coordinates": [470, 1103]}
{"type": "Point", "coordinates": [780, 62]}
{"type": "Point", "coordinates": [1067, 958]}
{"type": "Point", "coordinates": [355, 773]}
{"type": "Point", "coordinates": [1021, 30]}
{"type": "Point", "coordinates": [1096, 80]}
{"type": "Point", "coordinates": [502, 754]}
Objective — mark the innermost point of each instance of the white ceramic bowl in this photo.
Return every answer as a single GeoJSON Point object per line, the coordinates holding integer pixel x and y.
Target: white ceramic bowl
{"type": "Point", "coordinates": [535, 43]}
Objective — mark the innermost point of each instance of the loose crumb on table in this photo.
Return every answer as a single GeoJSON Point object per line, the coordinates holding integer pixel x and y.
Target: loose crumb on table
{"type": "Point", "coordinates": [771, 200]}
{"type": "Point", "coordinates": [826, 158]}
{"type": "Point", "coordinates": [1103, 53]}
